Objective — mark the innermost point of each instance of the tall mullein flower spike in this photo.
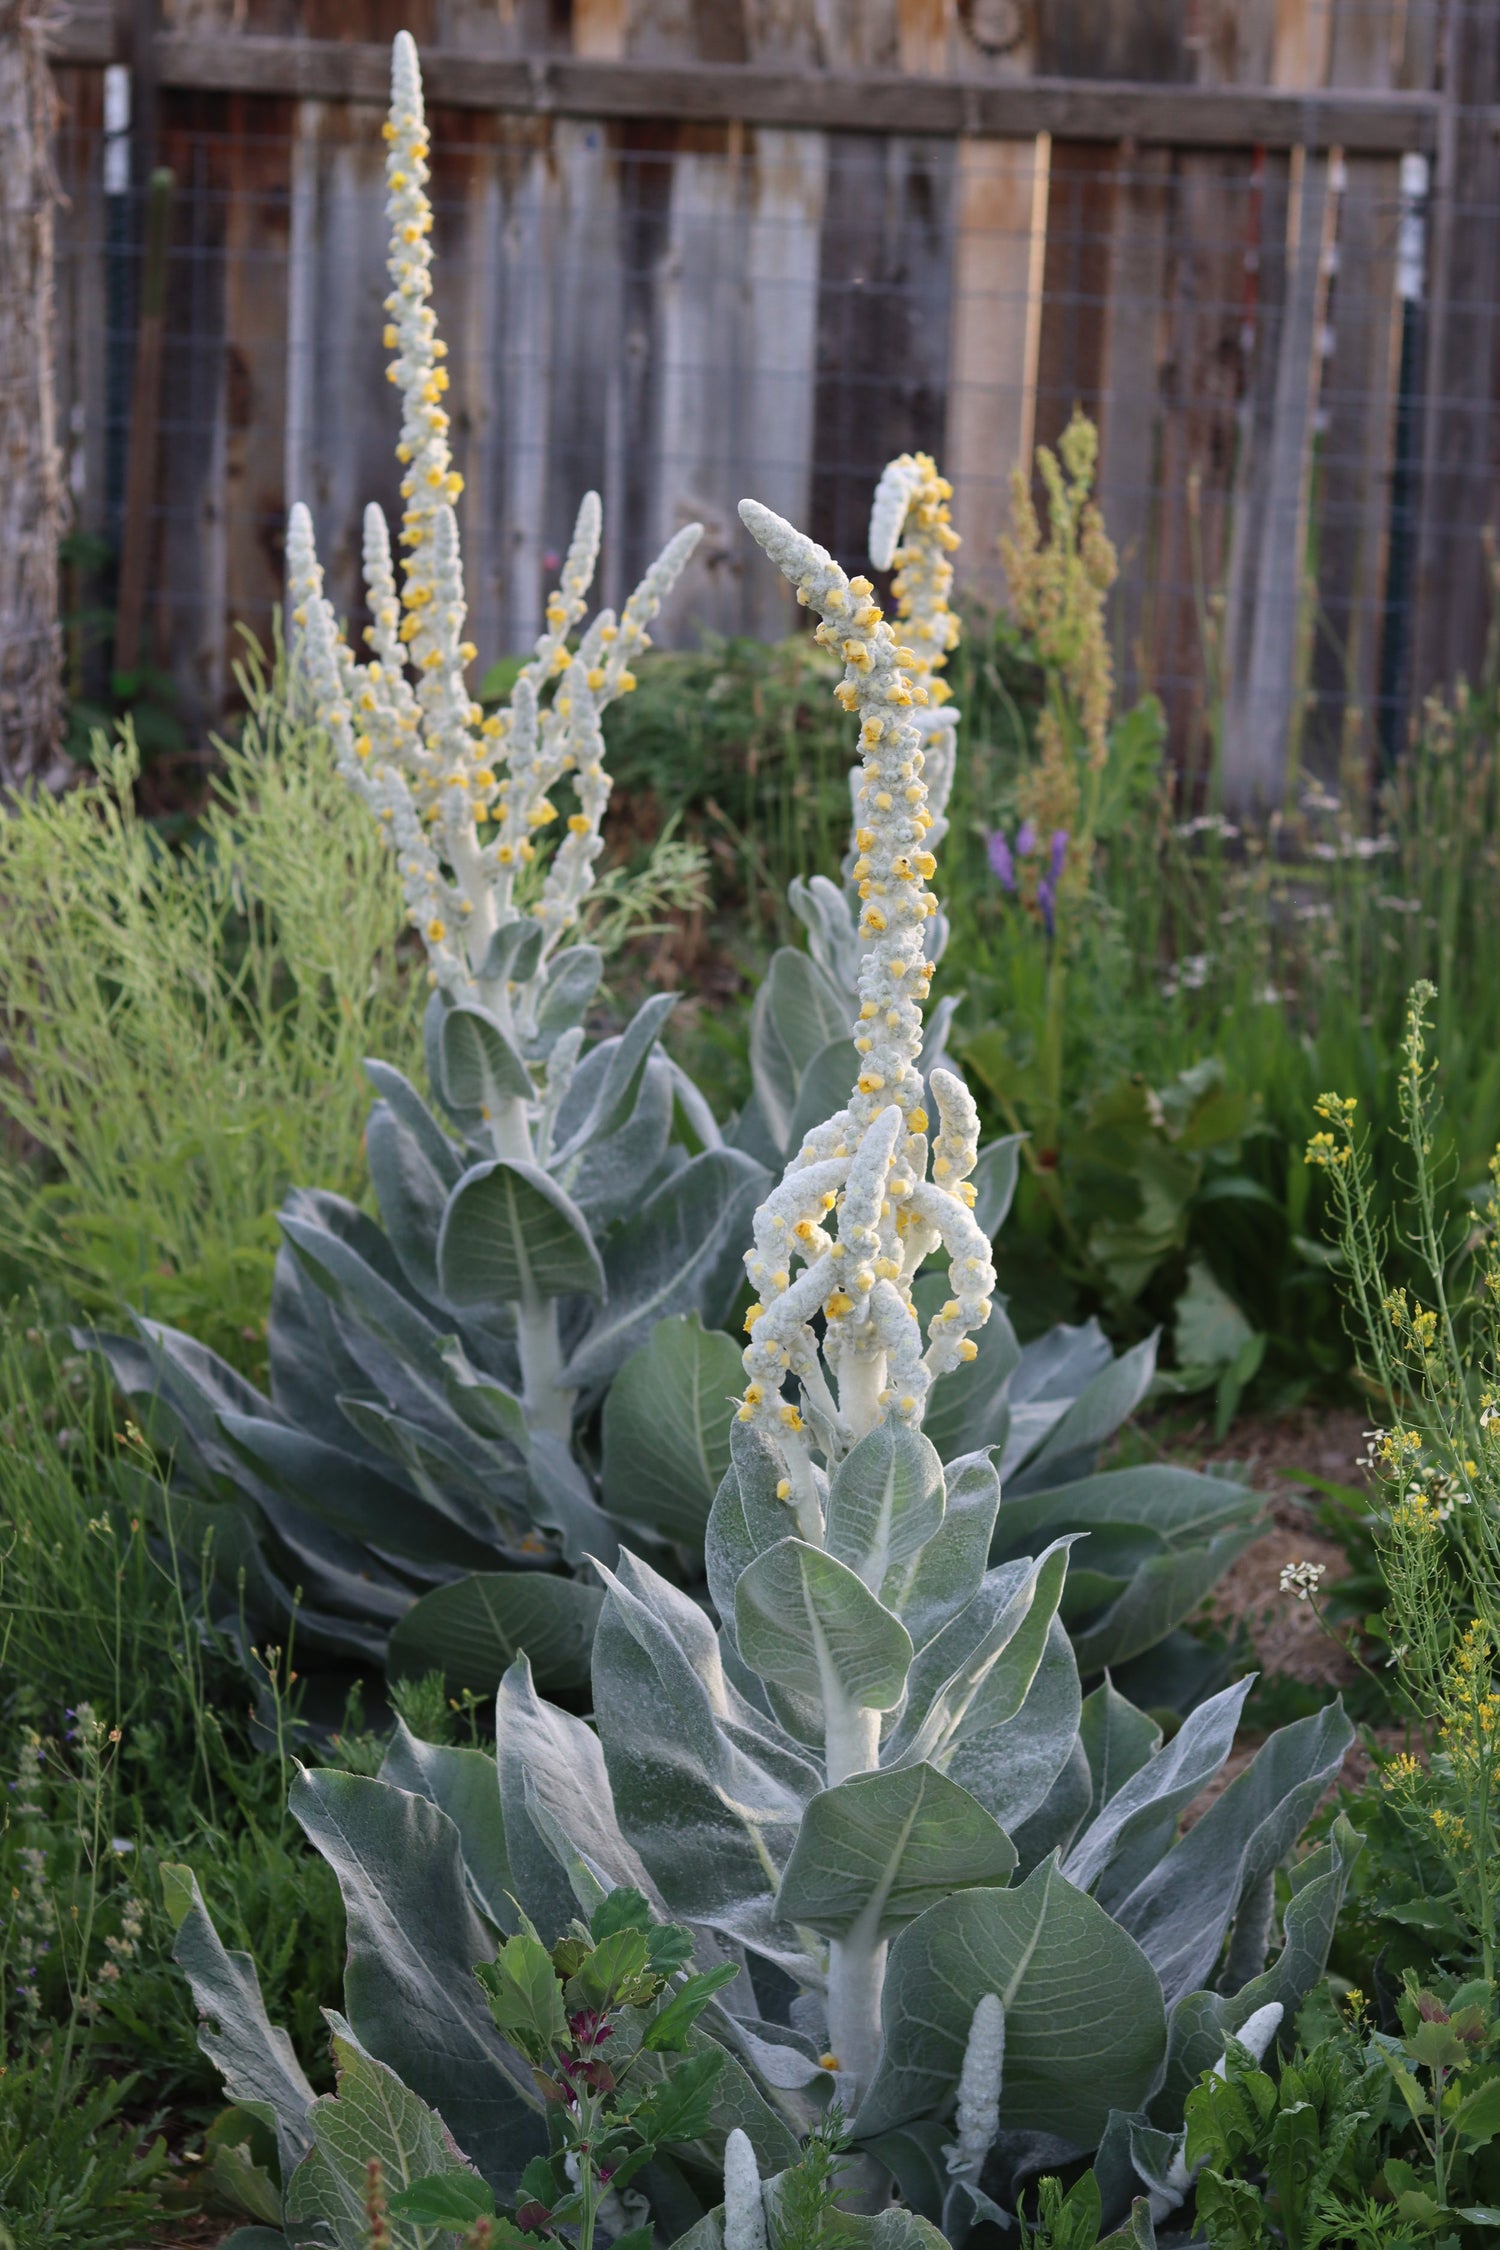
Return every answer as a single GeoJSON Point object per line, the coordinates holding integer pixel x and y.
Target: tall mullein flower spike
{"type": "Point", "coordinates": [977, 2117]}
{"type": "Point", "coordinates": [911, 532]}
{"type": "Point", "coordinates": [744, 2209]}
{"type": "Point", "coordinates": [465, 799]}
{"type": "Point", "coordinates": [855, 1206]}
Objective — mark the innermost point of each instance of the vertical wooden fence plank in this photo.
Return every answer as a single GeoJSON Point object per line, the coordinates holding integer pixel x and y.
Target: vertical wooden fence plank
{"type": "Point", "coordinates": [1130, 399]}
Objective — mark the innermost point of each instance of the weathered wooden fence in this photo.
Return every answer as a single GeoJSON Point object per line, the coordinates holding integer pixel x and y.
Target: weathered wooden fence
{"type": "Point", "coordinates": [690, 249]}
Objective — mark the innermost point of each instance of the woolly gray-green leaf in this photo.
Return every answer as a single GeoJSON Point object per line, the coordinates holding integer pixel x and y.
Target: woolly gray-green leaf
{"type": "Point", "coordinates": [336, 1489]}
{"type": "Point", "coordinates": [1138, 1819]}
{"type": "Point", "coordinates": [412, 1185]}
{"type": "Point", "coordinates": [254, 2056]}
{"type": "Point", "coordinates": [481, 1069]}
{"type": "Point", "coordinates": [677, 1254]}
{"type": "Point", "coordinates": [473, 1631]}
{"type": "Point", "coordinates": [885, 1847]}
{"type": "Point", "coordinates": [885, 1501]}
{"type": "Point", "coordinates": [936, 1584]}
{"type": "Point", "coordinates": [1013, 1766]}
{"type": "Point", "coordinates": [463, 1784]}
{"type": "Point", "coordinates": [1095, 1414]}
{"type": "Point", "coordinates": [571, 982]}
{"type": "Point", "coordinates": [808, 1622]}
{"type": "Point", "coordinates": [414, 1941]}
{"type": "Point", "coordinates": [1117, 1741]}
{"type": "Point", "coordinates": [372, 2118]}
{"type": "Point", "coordinates": [747, 1516]}
{"type": "Point", "coordinates": [994, 1179]}
{"type": "Point", "coordinates": [666, 1429]}
{"type": "Point", "coordinates": [975, 1673]}
{"type": "Point", "coordinates": [709, 1792]}
{"type": "Point", "coordinates": [1085, 2029]}
{"type": "Point", "coordinates": [798, 1012]}
{"type": "Point", "coordinates": [1160, 1593]}
{"type": "Point", "coordinates": [510, 1233]}
{"type": "Point", "coordinates": [968, 1408]}
{"type": "Point", "coordinates": [1181, 1908]}
{"type": "Point", "coordinates": [549, 1760]}
{"type": "Point", "coordinates": [628, 1056]}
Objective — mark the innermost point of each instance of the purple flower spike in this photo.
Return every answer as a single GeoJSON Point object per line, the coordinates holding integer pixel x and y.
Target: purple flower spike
{"type": "Point", "coordinates": [1002, 864]}
{"type": "Point", "coordinates": [1059, 854]}
{"type": "Point", "coordinates": [1046, 898]}
{"type": "Point", "coordinates": [1026, 839]}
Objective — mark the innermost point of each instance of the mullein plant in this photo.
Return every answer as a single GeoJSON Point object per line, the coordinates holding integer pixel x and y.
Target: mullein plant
{"type": "Point", "coordinates": [952, 1886]}
{"type": "Point", "coordinates": [426, 1464]}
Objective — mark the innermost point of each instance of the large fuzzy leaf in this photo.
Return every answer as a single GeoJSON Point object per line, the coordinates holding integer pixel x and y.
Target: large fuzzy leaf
{"type": "Point", "coordinates": [1181, 1505]}
{"type": "Point", "coordinates": [808, 1622]}
{"type": "Point", "coordinates": [254, 2057]}
{"type": "Point", "coordinates": [1117, 1741]}
{"type": "Point", "coordinates": [974, 1675]}
{"type": "Point", "coordinates": [1013, 1766]}
{"type": "Point", "coordinates": [1085, 2029]}
{"type": "Point", "coordinates": [709, 1793]}
{"type": "Point", "coordinates": [1180, 1910]}
{"type": "Point", "coordinates": [1159, 1594]}
{"type": "Point", "coordinates": [930, 1590]}
{"type": "Point", "coordinates": [666, 1429]}
{"type": "Point", "coordinates": [334, 1488]}
{"type": "Point", "coordinates": [606, 1178]}
{"type": "Point", "coordinates": [747, 1517]}
{"type": "Point", "coordinates": [414, 1942]}
{"type": "Point", "coordinates": [1095, 1414]}
{"type": "Point", "coordinates": [481, 1069]}
{"type": "Point", "coordinates": [552, 1780]}
{"type": "Point", "coordinates": [473, 1631]}
{"type": "Point", "coordinates": [679, 1253]}
{"type": "Point", "coordinates": [373, 2118]}
{"type": "Point", "coordinates": [463, 1784]}
{"type": "Point", "coordinates": [881, 1848]}
{"type": "Point", "coordinates": [885, 1501]}
{"type": "Point", "coordinates": [511, 1234]}
{"type": "Point", "coordinates": [969, 1408]}
{"type": "Point", "coordinates": [624, 1070]}
{"type": "Point", "coordinates": [1137, 1820]}
{"type": "Point", "coordinates": [798, 1012]}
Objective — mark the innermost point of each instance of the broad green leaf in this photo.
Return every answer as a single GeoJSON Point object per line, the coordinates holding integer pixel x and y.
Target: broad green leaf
{"type": "Point", "coordinates": [1117, 1740]}
{"type": "Point", "coordinates": [1181, 1907]}
{"type": "Point", "coordinates": [667, 2032]}
{"type": "Point", "coordinates": [666, 1429]}
{"type": "Point", "coordinates": [510, 1234]}
{"type": "Point", "coordinates": [562, 1498]}
{"type": "Point", "coordinates": [808, 1622]}
{"type": "Point", "coordinates": [373, 2117]}
{"type": "Point", "coordinates": [1095, 1414]}
{"type": "Point", "coordinates": [1084, 2025]}
{"type": "Point", "coordinates": [679, 1253]}
{"type": "Point", "coordinates": [444, 2199]}
{"type": "Point", "coordinates": [525, 1997]}
{"type": "Point", "coordinates": [484, 1404]}
{"type": "Point", "coordinates": [481, 1069]}
{"type": "Point", "coordinates": [464, 1785]}
{"type": "Point", "coordinates": [254, 2057]}
{"type": "Point", "coordinates": [414, 1942]}
{"type": "Point", "coordinates": [885, 1501]}
{"type": "Point", "coordinates": [681, 2107]}
{"type": "Point", "coordinates": [606, 1177]}
{"type": "Point", "coordinates": [1180, 1505]}
{"type": "Point", "coordinates": [1013, 1767]}
{"type": "Point", "coordinates": [969, 1408]}
{"type": "Point", "coordinates": [473, 1631]}
{"type": "Point", "coordinates": [883, 1847]}
{"type": "Point", "coordinates": [822, 1089]}
{"type": "Point", "coordinates": [553, 1782]}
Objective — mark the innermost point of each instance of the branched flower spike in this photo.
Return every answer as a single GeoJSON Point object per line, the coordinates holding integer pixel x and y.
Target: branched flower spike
{"type": "Point", "coordinates": [855, 1206]}
{"type": "Point", "coordinates": [911, 532]}
{"type": "Point", "coordinates": [463, 798]}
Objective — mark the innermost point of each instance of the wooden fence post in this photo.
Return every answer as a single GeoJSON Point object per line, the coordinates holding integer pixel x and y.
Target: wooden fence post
{"type": "Point", "coordinates": [32, 496]}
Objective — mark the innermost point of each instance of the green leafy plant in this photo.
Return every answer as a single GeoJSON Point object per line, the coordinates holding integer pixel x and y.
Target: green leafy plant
{"type": "Point", "coordinates": [954, 1884]}
{"type": "Point", "coordinates": [432, 1380]}
{"type": "Point", "coordinates": [184, 1029]}
{"type": "Point", "coordinates": [1364, 2138]}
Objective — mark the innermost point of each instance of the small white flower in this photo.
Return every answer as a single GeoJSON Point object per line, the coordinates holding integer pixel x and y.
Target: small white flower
{"type": "Point", "coordinates": [1302, 1578]}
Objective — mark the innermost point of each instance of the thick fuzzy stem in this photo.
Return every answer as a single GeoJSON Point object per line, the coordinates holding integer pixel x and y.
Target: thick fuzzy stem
{"type": "Point", "coordinates": [861, 1382]}
{"type": "Point", "coordinates": [856, 1979]}
{"type": "Point", "coordinates": [548, 1405]}
{"type": "Point", "coordinates": [851, 1742]}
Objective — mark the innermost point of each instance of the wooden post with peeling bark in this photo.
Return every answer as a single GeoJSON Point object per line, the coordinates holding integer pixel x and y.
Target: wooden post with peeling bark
{"type": "Point", "coordinates": [32, 495]}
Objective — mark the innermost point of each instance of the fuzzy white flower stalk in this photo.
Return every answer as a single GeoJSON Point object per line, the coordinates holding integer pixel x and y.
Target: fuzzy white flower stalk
{"type": "Point", "coordinates": [977, 2118]}
{"type": "Point", "coordinates": [856, 1207]}
{"type": "Point", "coordinates": [911, 532]}
{"type": "Point", "coordinates": [744, 2209]}
{"type": "Point", "coordinates": [464, 798]}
